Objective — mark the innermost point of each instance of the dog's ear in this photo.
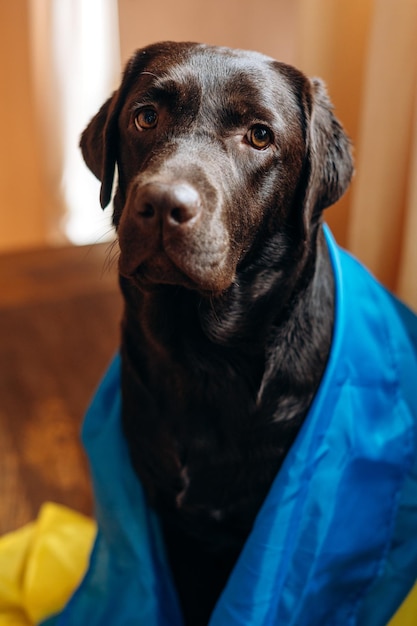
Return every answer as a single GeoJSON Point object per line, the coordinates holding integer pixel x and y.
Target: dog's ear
{"type": "Point", "coordinates": [99, 146]}
{"type": "Point", "coordinates": [329, 153]}
{"type": "Point", "coordinates": [99, 141]}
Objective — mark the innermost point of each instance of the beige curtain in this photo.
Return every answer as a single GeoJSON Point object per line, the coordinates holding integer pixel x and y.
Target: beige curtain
{"type": "Point", "coordinates": [383, 217]}
{"type": "Point", "coordinates": [367, 52]}
{"type": "Point", "coordinates": [75, 64]}
{"type": "Point", "coordinates": [22, 221]}
{"type": "Point", "coordinates": [60, 60]}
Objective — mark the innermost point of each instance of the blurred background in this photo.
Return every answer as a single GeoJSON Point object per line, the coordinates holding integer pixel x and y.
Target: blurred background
{"type": "Point", "coordinates": [59, 306]}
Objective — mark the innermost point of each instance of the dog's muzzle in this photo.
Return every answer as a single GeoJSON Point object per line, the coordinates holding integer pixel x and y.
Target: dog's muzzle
{"type": "Point", "coordinates": [169, 233]}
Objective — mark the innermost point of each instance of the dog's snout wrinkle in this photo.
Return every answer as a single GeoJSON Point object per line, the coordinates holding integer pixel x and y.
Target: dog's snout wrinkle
{"type": "Point", "coordinates": [173, 204]}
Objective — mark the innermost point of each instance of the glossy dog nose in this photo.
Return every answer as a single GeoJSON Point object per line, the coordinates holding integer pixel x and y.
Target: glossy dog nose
{"type": "Point", "coordinates": [174, 204]}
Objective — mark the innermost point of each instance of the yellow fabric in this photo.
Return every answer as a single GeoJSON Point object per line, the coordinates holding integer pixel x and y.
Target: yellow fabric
{"type": "Point", "coordinates": [42, 563]}
{"type": "Point", "coordinates": [407, 613]}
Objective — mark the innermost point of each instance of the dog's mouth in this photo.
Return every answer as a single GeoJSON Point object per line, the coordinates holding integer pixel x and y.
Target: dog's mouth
{"type": "Point", "coordinates": [160, 269]}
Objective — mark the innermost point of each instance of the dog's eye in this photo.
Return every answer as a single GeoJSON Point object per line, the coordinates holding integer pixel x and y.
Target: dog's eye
{"type": "Point", "coordinates": [259, 137]}
{"type": "Point", "coordinates": [146, 118]}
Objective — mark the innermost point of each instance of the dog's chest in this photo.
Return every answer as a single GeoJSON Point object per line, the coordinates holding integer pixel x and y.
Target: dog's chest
{"type": "Point", "coordinates": [208, 470]}
{"type": "Point", "coordinates": [204, 448]}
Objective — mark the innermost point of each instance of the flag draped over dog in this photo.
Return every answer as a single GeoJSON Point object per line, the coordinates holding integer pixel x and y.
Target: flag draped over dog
{"type": "Point", "coordinates": [335, 541]}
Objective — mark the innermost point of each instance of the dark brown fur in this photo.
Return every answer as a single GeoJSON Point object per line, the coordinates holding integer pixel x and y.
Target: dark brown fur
{"type": "Point", "coordinates": [227, 284]}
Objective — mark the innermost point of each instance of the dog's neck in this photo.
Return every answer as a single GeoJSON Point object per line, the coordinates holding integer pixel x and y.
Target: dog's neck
{"type": "Point", "coordinates": [262, 330]}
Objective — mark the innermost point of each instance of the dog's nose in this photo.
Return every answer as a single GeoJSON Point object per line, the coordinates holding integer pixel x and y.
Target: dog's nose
{"type": "Point", "coordinates": [175, 204]}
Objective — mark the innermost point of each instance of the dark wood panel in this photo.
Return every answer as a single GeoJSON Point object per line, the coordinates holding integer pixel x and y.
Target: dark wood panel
{"type": "Point", "coordinates": [53, 274]}
{"type": "Point", "coordinates": [59, 328]}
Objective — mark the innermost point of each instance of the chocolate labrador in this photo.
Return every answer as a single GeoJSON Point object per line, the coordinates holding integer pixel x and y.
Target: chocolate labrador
{"type": "Point", "coordinates": [226, 160]}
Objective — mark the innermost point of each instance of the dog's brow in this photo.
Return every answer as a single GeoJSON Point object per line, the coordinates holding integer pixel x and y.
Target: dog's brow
{"type": "Point", "coordinates": [165, 86]}
{"type": "Point", "coordinates": [157, 91]}
{"type": "Point", "coordinates": [246, 102]}
{"type": "Point", "coordinates": [242, 115]}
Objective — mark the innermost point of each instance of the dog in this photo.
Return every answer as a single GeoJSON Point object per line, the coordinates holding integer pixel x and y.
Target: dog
{"type": "Point", "coordinates": [226, 160]}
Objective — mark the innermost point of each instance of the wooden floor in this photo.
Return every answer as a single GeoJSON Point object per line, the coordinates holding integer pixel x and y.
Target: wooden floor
{"type": "Point", "coordinates": [59, 327]}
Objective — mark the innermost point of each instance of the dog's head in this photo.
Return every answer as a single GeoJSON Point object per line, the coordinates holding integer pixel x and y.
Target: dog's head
{"type": "Point", "coordinates": [218, 151]}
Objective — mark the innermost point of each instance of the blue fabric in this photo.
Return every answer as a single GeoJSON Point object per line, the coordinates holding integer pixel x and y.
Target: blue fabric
{"type": "Point", "coordinates": [335, 542]}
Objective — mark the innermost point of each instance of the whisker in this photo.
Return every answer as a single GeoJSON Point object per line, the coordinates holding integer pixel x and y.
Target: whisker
{"type": "Point", "coordinates": [104, 235]}
{"type": "Point", "coordinates": [213, 308]}
{"type": "Point", "coordinates": [112, 255]}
